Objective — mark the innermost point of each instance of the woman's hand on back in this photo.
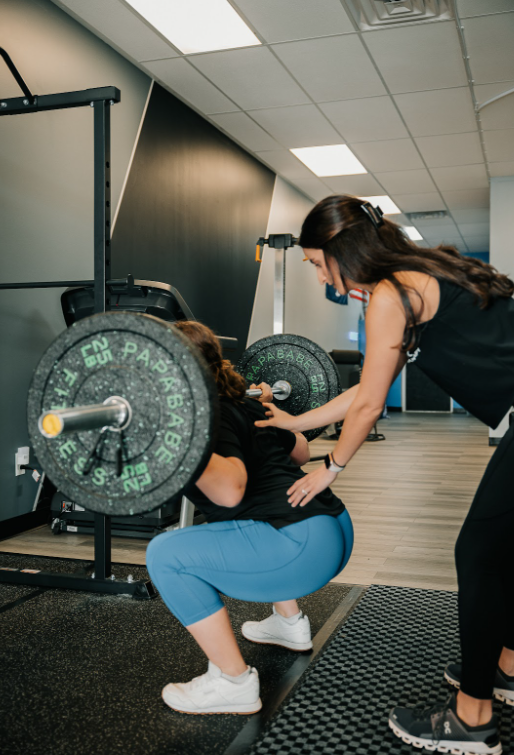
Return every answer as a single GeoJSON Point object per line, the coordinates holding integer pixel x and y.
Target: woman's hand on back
{"type": "Point", "coordinates": [277, 418]}
{"type": "Point", "coordinates": [306, 488]}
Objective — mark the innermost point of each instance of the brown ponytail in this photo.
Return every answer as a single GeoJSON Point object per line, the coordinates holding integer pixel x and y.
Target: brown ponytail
{"type": "Point", "coordinates": [366, 254]}
{"type": "Point", "coordinates": [230, 383]}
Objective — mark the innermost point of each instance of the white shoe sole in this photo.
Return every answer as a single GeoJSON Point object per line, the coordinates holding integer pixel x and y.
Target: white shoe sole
{"type": "Point", "coordinates": [453, 748]}
{"type": "Point", "coordinates": [239, 709]}
{"type": "Point", "coordinates": [504, 696]}
{"type": "Point", "coordinates": [297, 646]}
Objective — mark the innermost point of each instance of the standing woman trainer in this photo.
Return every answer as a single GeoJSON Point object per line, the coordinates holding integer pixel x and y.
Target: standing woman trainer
{"type": "Point", "coordinates": [453, 316]}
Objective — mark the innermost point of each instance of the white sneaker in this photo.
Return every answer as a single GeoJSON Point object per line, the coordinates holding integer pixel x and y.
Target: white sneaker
{"type": "Point", "coordinates": [276, 631]}
{"type": "Point", "coordinates": [214, 693]}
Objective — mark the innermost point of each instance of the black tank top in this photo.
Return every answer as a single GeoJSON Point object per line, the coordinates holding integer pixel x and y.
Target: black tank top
{"type": "Point", "coordinates": [469, 352]}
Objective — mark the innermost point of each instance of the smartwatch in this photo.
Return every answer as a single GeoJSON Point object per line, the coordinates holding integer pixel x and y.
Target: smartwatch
{"type": "Point", "coordinates": [331, 464]}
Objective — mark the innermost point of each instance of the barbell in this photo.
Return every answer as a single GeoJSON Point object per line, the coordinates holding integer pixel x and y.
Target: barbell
{"type": "Point", "coordinates": [123, 409]}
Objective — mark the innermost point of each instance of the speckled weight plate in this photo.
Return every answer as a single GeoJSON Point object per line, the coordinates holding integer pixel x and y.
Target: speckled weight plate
{"type": "Point", "coordinates": [311, 372]}
{"type": "Point", "coordinates": [172, 395]}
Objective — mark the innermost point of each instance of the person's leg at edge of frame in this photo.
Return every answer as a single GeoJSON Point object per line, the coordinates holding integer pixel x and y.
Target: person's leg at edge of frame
{"type": "Point", "coordinates": [466, 722]}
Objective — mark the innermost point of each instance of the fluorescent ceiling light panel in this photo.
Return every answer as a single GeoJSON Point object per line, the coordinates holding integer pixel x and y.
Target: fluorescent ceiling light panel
{"type": "Point", "coordinates": [412, 233]}
{"type": "Point", "coordinates": [197, 25]}
{"type": "Point", "coordinates": [385, 203]}
{"type": "Point", "coordinates": [333, 160]}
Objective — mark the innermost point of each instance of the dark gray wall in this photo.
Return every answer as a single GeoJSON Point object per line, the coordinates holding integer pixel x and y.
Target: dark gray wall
{"type": "Point", "coordinates": [46, 197]}
{"type": "Point", "coordinates": [193, 208]}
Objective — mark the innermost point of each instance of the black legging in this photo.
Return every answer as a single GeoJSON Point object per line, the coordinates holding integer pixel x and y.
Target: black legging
{"type": "Point", "coordinates": [485, 569]}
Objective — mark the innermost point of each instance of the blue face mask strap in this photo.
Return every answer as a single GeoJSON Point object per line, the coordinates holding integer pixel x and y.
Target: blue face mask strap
{"type": "Point", "coordinates": [375, 214]}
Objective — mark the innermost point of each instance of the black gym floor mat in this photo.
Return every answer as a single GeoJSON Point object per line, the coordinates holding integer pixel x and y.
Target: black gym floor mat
{"type": "Point", "coordinates": [392, 650]}
{"type": "Point", "coordinates": [82, 673]}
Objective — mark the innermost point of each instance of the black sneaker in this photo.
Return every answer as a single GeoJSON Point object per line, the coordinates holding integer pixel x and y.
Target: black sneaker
{"type": "Point", "coordinates": [439, 729]}
{"type": "Point", "coordinates": [503, 684]}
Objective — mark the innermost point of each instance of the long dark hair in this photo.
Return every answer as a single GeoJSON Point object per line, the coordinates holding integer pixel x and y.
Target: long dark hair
{"type": "Point", "coordinates": [230, 383]}
{"type": "Point", "coordinates": [367, 254]}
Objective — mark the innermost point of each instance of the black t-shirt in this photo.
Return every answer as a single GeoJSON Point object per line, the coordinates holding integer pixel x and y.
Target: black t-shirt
{"type": "Point", "coordinates": [265, 454]}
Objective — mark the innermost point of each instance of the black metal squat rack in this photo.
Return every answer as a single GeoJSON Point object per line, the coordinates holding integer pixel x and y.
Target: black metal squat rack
{"type": "Point", "coordinates": [100, 99]}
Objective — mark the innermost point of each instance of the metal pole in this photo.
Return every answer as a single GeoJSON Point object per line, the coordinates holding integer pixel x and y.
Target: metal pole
{"type": "Point", "coordinates": [102, 202]}
{"type": "Point", "coordinates": [279, 291]}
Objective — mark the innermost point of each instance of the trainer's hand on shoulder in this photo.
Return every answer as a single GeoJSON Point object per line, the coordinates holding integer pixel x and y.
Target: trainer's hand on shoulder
{"type": "Point", "coordinates": [306, 488]}
{"type": "Point", "coordinates": [277, 418]}
{"type": "Point", "coordinates": [267, 393]}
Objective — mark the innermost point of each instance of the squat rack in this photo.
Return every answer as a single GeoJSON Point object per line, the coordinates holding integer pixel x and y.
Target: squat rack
{"type": "Point", "coordinates": [100, 99]}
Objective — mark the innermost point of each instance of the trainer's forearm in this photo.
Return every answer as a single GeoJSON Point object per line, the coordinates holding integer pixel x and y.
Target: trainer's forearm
{"type": "Point", "coordinates": [333, 411]}
{"type": "Point", "coordinates": [357, 425]}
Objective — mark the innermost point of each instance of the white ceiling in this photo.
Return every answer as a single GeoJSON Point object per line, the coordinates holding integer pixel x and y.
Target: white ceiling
{"type": "Point", "coordinates": [402, 98]}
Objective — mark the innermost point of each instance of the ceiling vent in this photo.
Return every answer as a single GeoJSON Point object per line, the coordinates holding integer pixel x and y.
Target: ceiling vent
{"type": "Point", "coordinates": [381, 14]}
{"type": "Point", "coordinates": [430, 215]}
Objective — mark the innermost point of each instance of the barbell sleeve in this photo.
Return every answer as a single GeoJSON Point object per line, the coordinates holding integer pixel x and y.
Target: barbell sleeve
{"type": "Point", "coordinates": [114, 413]}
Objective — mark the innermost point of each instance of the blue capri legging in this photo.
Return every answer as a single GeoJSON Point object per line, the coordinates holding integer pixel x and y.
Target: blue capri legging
{"type": "Point", "coordinates": [247, 560]}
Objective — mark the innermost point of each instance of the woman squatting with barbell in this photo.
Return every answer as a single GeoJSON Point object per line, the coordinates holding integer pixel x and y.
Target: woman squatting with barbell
{"type": "Point", "coordinates": [453, 316]}
{"type": "Point", "coordinates": [256, 546]}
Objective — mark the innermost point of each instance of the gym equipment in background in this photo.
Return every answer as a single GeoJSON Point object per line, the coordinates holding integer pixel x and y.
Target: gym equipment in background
{"type": "Point", "coordinates": [303, 364]}
{"type": "Point", "coordinates": [279, 242]}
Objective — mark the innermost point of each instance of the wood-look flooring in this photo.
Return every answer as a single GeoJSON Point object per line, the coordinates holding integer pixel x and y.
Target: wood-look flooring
{"type": "Point", "coordinates": [407, 496]}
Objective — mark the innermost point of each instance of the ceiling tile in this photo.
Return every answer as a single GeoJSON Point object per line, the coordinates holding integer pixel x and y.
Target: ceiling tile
{"type": "Point", "coordinates": [295, 19]}
{"type": "Point", "coordinates": [313, 187]}
{"type": "Point", "coordinates": [471, 216]}
{"type": "Point", "coordinates": [383, 156]}
{"type": "Point", "coordinates": [332, 68]}
{"type": "Point", "coordinates": [490, 47]}
{"type": "Point", "coordinates": [419, 202]}
{"type": "Point", "coordinates": [474, 229]}
{"type": "Point", "coordinates": [415, 58]}
{"type": "Point", "coordinates": [501, 169]}
{"type": "Point", "coordinates": [435, 228]}
{"type": "Point", "coordinates": [406, 181]}
{"type": "Point", "coordinates": [286, 164]}
{"type": "Point", "coordinates": [252, 77]}
{"type": "Point", "coordinates": [115, 22]}
{"type": "Point", "coordinates": [299, 126]}
{"type": "Point", "coordinates": [443, 111]}
{"type": "Point", "coordinates": [246, 131]}
{"type": "Point", "coordinates": [469, 8]}
{"type": "Point", "coordinates": [359, 186]}
{"type": "Point", "coordinates": [444, 238]}
{"type": "Point", "coordinates": [478, 245]}
{"type": "Point", "coordinates": [499, 145]}
{"type": "Point", "coordinates": [188, 83]}
{"type": "Point", "coordinates": [435, 222]}
{"type": "Point", "coordinates": [365, 120]}
{"type": "Point", "coordinates": [467, 199]}
{"type": "Point", "coordinates": [453, 149]}
{"type": "Point", "coordinates": [460, 177]}
{"type": "Point", "coordinates": [499, 114]}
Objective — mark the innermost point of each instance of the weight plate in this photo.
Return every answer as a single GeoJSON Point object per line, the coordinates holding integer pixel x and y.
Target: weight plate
{"type": "Point", "coordinates": [174, 403]}
{"type": "Point", "coordinates": [310, 371]}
